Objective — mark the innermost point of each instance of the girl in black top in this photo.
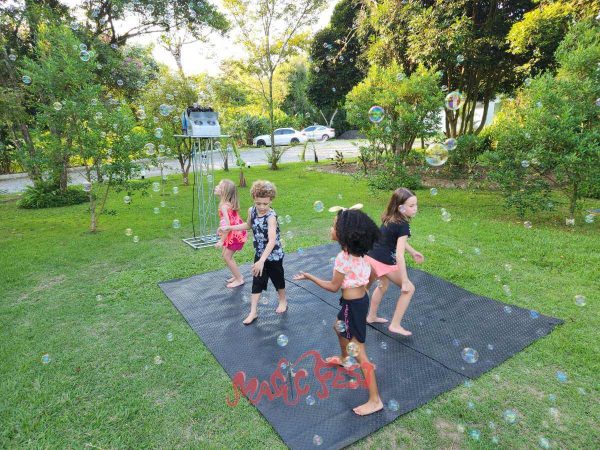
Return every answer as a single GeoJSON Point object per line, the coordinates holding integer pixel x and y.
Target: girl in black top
{"type": "Point", "coordinates": [387, 258]}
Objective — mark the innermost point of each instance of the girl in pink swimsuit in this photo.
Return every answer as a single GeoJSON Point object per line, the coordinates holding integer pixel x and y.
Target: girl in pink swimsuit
{"type": "Point", "coordinates": [233, 241]}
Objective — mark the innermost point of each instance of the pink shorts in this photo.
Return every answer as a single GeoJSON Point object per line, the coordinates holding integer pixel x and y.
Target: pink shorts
{"type": "Point", "coordinates": [380, 268]}
{"type": "Point", "coordinates": [235, 246]}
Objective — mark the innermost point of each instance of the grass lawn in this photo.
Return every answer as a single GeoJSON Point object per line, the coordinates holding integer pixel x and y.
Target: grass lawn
{"type": "Point", "coordinates": [102, 388]}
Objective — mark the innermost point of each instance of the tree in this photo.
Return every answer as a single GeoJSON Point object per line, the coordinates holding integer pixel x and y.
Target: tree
{"type": "Point", "coordinates": [335, 53]}
{"type": "Point", "coordinates": [296, 102]}
{"type": "Point", "coordinates": [271, 31]}
{"type": "Point", "coordinates": [411, 105]}
{"type": "Point", "coordinates": [549, 136]}
{"type": "Point", "coordinates": [466, 40]}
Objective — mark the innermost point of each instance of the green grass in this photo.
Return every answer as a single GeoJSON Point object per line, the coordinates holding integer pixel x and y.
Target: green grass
{"type": "Point", "coordinates": [103, 390]}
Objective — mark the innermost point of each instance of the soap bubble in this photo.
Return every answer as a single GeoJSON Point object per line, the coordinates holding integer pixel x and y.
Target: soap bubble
{"type": "Point", "coordinates": [317, 440]}
{"type": "Point", "coordinates": [26, 79]}
{"type": "Point", "coordinates": [454, 100]}
{"type": "Point", "coordinates": [150, 149]}
{"type": "Point", "coordinates": [436, 155]}
{"type": "Point", "coordinates": [156, 186]}
{"type": "Point", "coordinates": [127, 199]}
{"type": "Point", "coordinates": [128, 231]}
{"type": "Point", "coordinates": [460, 59]}
{"type": "Point", "coordinates": [158, 360]}
{"type": "Point", "coordinates": [156, 210]}
{"type": "Point", "coordinates": [383, 345]}
{"type": "Point", "coordinates": [527, 224]}
{"type": "Point", "coordinates": [376, 114]}
{"type": "Point", "coordinates": [120, 82]}
{"type": "Point", "coordinates": [289, 234]}
{"type": "Point", "coordinates": [506, 289]}
{"type": "Point", "coordinates": [561, 376]}
{"type": "Point", "coordinates": [282, 340]}
{"type": "Point", "coordinates": [570, 221]}
{"type": "Point", "coordinates": [495, 439]}
{"type": "Point", "coordinates": [393, 405]}
{"type": "Point", "coordinates": [170, 337]}
{"type": "Point", "coordinates": [99, 298]}
{"type": "Point", "coordinates": [468, 384]}
{"type": "Point", "coordinates": [349, 361]}
{"type": "Point", "coordinates": [580, 300]}
{"type": "Point", "coordinates": [470, 405]}
{"type": "Point", "coordinates": [84, 56]}
{"type": "Point", "coordinates": [352, 349]}
{"type": "Point", "coordinates": [176, 223]}
{"type": "Point", "coordinates": [136, 239]}
{"type": "Point", "coordinates": [340, 326]}
{"type": "Point", "coordinates": [525, 164]}
{"type": "Point", "coordinates": [288, 219]}
{"type": "Point", "coordinates": [455, 342]}
{"type": "Point", "coordinates": [552, 398]}
{"type": "Point", "coordinates": [510, 416]}
{"type": "Point", "coordinates": [544, 443]}
{"type": "Point", "coordinates": [474, 434]}
{"type": "Point", "coordinates": [554, 413]}
{"type": "Point", "coordinates": [508, 267]}
{"type": "Point", "coordinates": [477, 251]}
{"type": "Point", "coordinates": [431, 238]}
{"type": "Point", "coordinates": [158, 133]}
{"type": "Point", "coordinates": [470, 355]}
{"type": "Point", "coordinates": [46, 358]}
{"type": "Point", "coordinates": [507, 309]}
{"type": "Point", "coordinates": [450, 143]}
{"type": "Point", "coordinates": [57, 106]}
{"type": "Point", "coordinates": [164, 110]}
{"type": "Point", "coordinates": [74, 25]}
{"type": "Point", "coordinates": [534, 314]}
{"type": "Point", "coordinates": [446, 216]}
{"type": "Point", "coordinates": [163, 204]}
{"type": "Point", "coordinates": [433, 191]}
{"type": "Point", "coordinates": [589, 218]}
{"type": "Point", "coordinates": [444, 88]}
{"type": "Point", "coordinates": [318, 206]}
{"type": "Point", "coordinates": [490, 347]}
{"type": "Point", "coordinates": [87, 186]}
{"type": "Point", "coordinates": [264, 299]}
{"type": "Point", "coordinates": [83, 47]}
{"type": "Point", "coordinates": [310, 400]}
{"type": "Point", "coordinates": [175, 190]}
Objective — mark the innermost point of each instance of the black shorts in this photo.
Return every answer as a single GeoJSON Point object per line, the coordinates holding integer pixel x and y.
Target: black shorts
{"type": "Point", "coordinates": [272, 270]}
{"type": "Point", "coordinates": [354, 315]}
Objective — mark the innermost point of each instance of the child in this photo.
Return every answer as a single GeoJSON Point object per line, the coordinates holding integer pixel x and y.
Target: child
{"type": "Point", "coordinates": [387, 257]}
{"type": "Point", "coordinates": [356, 233]}
{"type": "Point", "coordinates": [268, 257]}
{"type": "Point", "coordinates": [233, 241]}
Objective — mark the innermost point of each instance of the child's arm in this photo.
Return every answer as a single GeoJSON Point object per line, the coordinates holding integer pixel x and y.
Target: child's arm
{"type": "Point", "coordinates": [401, 263]}
{"type": "Point", "coordinates": [225, 216]}
{"type": "Point", "coordinates": [240, 227]}
{"type": "Point", "coordinates": [332, 286]}
{"type": "Point", "coordinates": [257, 267]}
{"type": "Point", "coordinates": [418, 257]}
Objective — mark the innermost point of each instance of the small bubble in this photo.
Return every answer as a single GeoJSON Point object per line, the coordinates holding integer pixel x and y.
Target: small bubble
{"type": "Point", "coordinates": [46, 359]}
{"type": "Point", "coordinates": [561, 376]}
{"type": "Point", "coordinates": [393, 405]}
{"type": "Point", "coordinates": [282, 340]}
{"type": "Point", "coordinates": [310, 400]}
{"type": "Point", "coordinates": [170, 337]}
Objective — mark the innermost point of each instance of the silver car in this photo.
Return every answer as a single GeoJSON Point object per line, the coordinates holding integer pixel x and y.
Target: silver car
{"type": "Point", "coordinates": [283, 136]}
{"type": "Point", "coordinates": [318, 133]}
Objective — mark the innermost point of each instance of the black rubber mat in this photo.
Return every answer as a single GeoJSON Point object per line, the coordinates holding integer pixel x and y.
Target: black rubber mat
{"type": "Point", "coordinates": [410, 372]}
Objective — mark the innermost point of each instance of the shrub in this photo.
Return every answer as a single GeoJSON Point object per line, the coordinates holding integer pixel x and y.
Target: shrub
{"type": "Point", "coordinates": [393, 175]}
{"type": "Point", "coordinates": [48, 195]}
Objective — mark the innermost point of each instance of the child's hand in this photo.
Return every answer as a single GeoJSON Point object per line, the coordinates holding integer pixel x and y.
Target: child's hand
{"type": "Point", "coordinates": [219, 244]}
{"type": "Point", "coordinates": [301, 276]}
{"type": "Point", "coordinates": [224, 229]}
{"type": "Point", "coordinates": [257, 268]}
{"type": "Point", "coordinates": [418, 257]}
{"type": "Point", "coordinates": [407, 286]}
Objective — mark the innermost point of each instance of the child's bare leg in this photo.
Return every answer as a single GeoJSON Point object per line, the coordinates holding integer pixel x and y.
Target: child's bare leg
{"type": "Point", "coordinates": [238, 280]}
{"type": "Point", "coordinates": [374, 403]}
{"type": "Point", "coordinates": [282, 307]}
{"type": "Point", "coordinates": [376, 298]}
{"type": "Point", "coordinates": [229, 280]}
{"type": "Point", "coordinates": [253, 309]}
{"type": "Point", "coordinates": [401, 306]}
{"type": "Point", "coordinates": [339, 360]}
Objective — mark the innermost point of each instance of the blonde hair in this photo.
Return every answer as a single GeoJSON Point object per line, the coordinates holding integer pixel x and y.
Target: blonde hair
{"type": "Point", "coordinates": [263, 188]}
{"type": "Point", "coordinates": [392, 213]}
{"type": "Point", "coordinates": [229, 194]}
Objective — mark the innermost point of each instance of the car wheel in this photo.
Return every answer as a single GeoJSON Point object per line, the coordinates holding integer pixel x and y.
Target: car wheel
{"type": "Point", "coordinates": [260, 143]}
{"type": "Point", "coordinates": [325, 137]}
{"type": "Point", "coordinates": [295, 141]}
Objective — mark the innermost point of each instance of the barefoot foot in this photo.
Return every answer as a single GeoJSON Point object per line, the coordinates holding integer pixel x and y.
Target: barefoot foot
{"type": "Point", "coordinates": [368, 408]}
{"type": "Point", "coordinates": [235, 283]}
{"type": "Point", "coordinates": [399, 330]}
{"type": "Point", "coordinates": [376, 320]}
{"type": "Point", "coordinates": [229, 280]}
{"type": "Point", "coordinates": [251, 318]}
{"type": "Point", "coordinates": [334, 360]}
{"type": "Point", "coordinates": [281, 308]}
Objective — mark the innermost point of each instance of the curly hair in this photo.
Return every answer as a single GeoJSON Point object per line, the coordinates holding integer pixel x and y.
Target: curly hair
{"type": "Point", "coordinates": [263, 188]}
{"type": "Point", "coordinates": [356, 232]}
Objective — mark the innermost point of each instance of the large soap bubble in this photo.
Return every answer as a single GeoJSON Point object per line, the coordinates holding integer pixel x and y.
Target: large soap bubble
{"type": "Point", "coordinates": [436, 155]}
{"type": "Point", "coordinates": [454, 100]}
{"type": "Point", "coordinates": [376, 114]}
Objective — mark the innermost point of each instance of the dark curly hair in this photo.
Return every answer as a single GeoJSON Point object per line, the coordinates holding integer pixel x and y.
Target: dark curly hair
{"type": "Point", "coordinates": [356, 232]}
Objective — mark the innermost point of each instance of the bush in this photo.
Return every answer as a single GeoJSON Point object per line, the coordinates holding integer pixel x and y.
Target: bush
{"type": "Point", "coordinates": [392, 176]}
{"type": "Point", "coordinates": [468, 149]}
{"type": "Point", "coordinates": [47, 195]}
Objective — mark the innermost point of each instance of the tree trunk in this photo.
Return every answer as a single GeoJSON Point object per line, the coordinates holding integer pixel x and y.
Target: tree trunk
{"type": "Point", "coordinates": [226, 162]}
{"type": "Point", "coordinates": [33, 169]}
{"type": "Point", "coordinates": [486, 104]}
{"type": "Point", "coordinates": [242, 179]}
{"type": "Point", "coordinates": [64, 174]}
{"type": "Point", "coordinates": [274, 157]}
{"type": "Point", "coordinates": [94, 222]}
{"type": "Point", "coordinates": [573, 199]}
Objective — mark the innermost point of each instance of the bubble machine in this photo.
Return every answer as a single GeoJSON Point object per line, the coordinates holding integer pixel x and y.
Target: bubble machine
{"type": "Point", "coordinates": [197, 121]}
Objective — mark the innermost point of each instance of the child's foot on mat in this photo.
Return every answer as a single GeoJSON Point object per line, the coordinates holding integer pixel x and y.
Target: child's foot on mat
{"type": "Point", "coordinates": [251, 318]}
{"type": "Point", "coordinates": [281, 308]}
{"type": "Point", "coordinates": [376, 320]}
{"type": "Point", "coordinates": [235, 283]}
{"type": "Point", "coordinates": [335, 360]}
{"type": "Point", "coordinates": [229, 280]}
{"type": "Point", "coordinates": [368, 408]}
{"type": "Point", "coordinates": [399, 330]}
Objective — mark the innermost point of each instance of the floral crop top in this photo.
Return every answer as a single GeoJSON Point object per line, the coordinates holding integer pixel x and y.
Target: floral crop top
{"type": "Point", "coordinates": [355, 269]}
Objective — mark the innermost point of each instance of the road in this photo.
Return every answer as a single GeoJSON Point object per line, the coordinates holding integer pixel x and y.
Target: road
{"type": "Point", "coordinates": [15, 183]}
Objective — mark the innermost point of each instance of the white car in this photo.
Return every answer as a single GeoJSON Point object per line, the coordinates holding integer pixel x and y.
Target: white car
{"type": "Point", "coordinates": [283, 136]}
{"type": "Point", "coordinates": [318, 133]}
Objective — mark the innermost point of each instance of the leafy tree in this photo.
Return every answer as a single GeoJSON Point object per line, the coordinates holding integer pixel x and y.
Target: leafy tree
{"type": "Point", "coordinates": [549, 136]}
{"type": "Point", "coordinates": [271, 31]}
{"type": "Point", "coordinates": [411, 104]}
{"type": "Point", "coordinates": [296, 103]}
